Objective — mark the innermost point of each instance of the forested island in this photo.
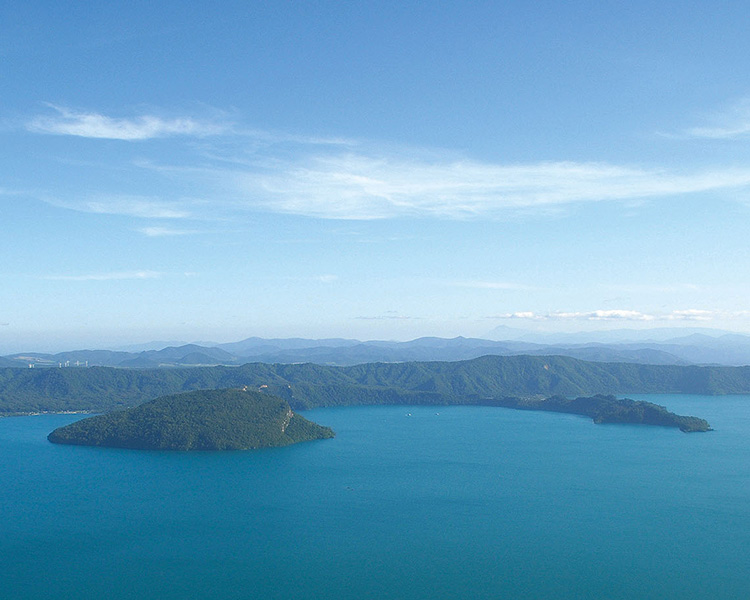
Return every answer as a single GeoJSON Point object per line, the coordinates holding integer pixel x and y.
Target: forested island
{"type": "Point", "coordinates": [231, 419]}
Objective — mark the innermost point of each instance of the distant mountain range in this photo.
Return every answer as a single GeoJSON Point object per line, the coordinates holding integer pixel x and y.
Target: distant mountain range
{"type": "Point", "coordinates": [692, 347]}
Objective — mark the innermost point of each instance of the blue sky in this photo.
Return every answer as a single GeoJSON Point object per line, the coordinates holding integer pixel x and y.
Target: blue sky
{"type": "Point", "coordinates": [212, 171]}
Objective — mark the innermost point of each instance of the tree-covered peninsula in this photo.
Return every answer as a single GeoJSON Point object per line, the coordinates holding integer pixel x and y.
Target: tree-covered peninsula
{"type": "Point", "coordinates": [609, 409]}
{"type": "Point", "coordinates": [228, 419]}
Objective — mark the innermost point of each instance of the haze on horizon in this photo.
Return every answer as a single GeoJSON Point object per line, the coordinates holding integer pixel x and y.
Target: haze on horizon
{"type": "Point", "coordinates": [374, 171]}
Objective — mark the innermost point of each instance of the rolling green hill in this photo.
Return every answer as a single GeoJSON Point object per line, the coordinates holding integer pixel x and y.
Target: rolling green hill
{"type": "Point", "coordinates": [202, 420]}
{"type": "Point", "coordinates": [476, 381]}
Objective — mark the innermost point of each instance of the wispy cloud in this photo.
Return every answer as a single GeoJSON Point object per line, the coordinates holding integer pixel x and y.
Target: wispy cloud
{"type": "Point", "coordinates": [244, 171]}
{"type": "Point", "coordinates": [625, 315]}
{"type": "Point", "coordinates": [95, 125]}
{"type": "Point", "coordinates": [492, 285]}
{"type": "Point", "coordinates": [694, 314]}
{"type": "Point", "coordinates": [119, 275]}
{"type": "Point", "coordinates": [731, 123]}
{"type": "Point", "coordinates": [654, 288]}
{"type": "Point", "coordinates": [164, 231]}
{"type": "Point", "coordinates": [605, 315]}
{"type": "Point", "coordinates": [142, 127]}
{"type": "Point", "coordinates": [349, 186]}
{"type": "Point", "coordinates": [142, 207]}
{"type": "Point", "coordinates": [383, 186]}
{"type": "Point", "coordinates": [388, 317]}
{"type": "Point", "coordinates": [327, 278]}
{"type": "Point", "coordinates": [10, 192]}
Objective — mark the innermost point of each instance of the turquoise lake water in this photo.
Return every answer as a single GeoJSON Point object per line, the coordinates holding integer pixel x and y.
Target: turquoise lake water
{"type": "Point", "coordinates": [405, 503]}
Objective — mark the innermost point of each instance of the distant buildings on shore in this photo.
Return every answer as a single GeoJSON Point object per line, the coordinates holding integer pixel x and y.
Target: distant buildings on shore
{"type": "Point", "coordinates": [34, 362]}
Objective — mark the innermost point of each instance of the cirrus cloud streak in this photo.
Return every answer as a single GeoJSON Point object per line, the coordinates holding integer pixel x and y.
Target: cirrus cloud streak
{"type": "Point", "coordinates": [732, 123]}
{"type": "Point", "coordinates": [95, 125]}
{"type": "Point", "coordinates": [357, 180]}
{"type": "Point", "coordinates": [358, 186]}
{"type": "Point", "coordinates": [115, 276]}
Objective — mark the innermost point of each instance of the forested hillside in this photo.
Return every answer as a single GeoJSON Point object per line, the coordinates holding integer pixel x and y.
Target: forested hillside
{"type": "Point", "coordinates": [200, 420]}
{"type": "Point", "coordinates": [307, 385]}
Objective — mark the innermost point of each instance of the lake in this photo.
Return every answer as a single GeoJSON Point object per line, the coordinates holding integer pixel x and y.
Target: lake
{"type": "Point", "coordinates": [405, 503]}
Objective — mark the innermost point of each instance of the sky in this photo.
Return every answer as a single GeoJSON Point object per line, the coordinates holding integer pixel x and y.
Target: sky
{"type": "Point", "coordinates": [374, 170]}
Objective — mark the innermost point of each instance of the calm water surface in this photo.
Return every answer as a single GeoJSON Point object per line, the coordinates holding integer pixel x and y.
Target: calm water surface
{"type": "Point", "coordinates": [405, 503]}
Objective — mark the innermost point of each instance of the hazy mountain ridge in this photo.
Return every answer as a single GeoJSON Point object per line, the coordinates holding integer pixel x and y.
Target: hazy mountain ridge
{"type": "Point", "coordinates": [695, 348]}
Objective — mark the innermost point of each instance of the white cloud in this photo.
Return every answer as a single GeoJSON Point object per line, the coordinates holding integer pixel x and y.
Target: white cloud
{"type": "Point", "coordinates": [141, 207]}
{"type": "Point", "coordinates": [524, 315]}
{"type": "Point", "coordinates": [492, 285]}
{"type": "Point", "coordinates": [720, 133]}
{"type": "Point", "coordinates": [95, 125]}
{"type": "Point", "coordinates": [327, 278]}
{"type": "Point", "coordinates": [107, 276]}
{"type": "Point", "coordinates": [164, 231]}
{"type": "Point", "coordinates": [383, 186]}
{"type": "Point", "coordinates": [389, 317]}
{"type": "Point", "coordinates": [9, 192]}
{"type": "Point", "coordinates": [655, 289]}
{"type": "Point", "coordinates": [610, 315]}
{"type": "Point", "coordinates": [245, 171]}
{"type": "Point", "coordinates": [626, 315]}
{"type": "Point", "coordinates": [692, 315]}
{"type": "Point", "coordinates": [349, 186]}
{"type": "Point", "coordinates": [731, 123]}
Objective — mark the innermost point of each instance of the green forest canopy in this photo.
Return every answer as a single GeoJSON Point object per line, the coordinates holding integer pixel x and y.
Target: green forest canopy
{"type": "Point", "coordinates": [202, 420]}
{"type": "Point", "coordinates": [477, 381]}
